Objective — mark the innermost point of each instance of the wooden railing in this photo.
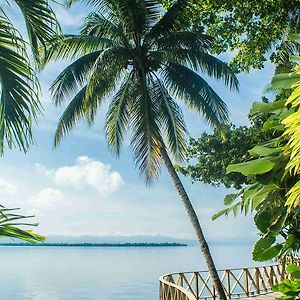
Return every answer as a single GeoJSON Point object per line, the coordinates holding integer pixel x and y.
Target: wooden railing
{"type": "Point", "coordinates": [238, 283]}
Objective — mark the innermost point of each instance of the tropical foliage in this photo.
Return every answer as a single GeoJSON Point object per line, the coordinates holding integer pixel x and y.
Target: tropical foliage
{"type": "Point", "coordinates": [19, 86]}
{"type": "Point", "coordinates": [251, 29]}
{"type": "Point", "coordinates": [274, 194]}
{"type": "Point", "coordinates": [290, 288]}
{"type": "Point", "coordinates": [211, 153]}
{"type": "Point", "coordinates": [11, 225]}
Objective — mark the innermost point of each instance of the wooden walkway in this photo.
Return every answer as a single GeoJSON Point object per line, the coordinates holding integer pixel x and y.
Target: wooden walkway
{"type": "Point", "coordinates": [245, 283]}
{"type": "Point", "coordinates": [270, 296]}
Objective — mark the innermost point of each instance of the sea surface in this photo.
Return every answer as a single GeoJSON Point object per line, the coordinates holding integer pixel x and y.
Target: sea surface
{"type": "Point", "coordinates": [65, 273]}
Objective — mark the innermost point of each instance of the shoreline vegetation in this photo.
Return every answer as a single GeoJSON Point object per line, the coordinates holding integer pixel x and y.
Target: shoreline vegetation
{"type": "Point", "coordinates": [94, 245]}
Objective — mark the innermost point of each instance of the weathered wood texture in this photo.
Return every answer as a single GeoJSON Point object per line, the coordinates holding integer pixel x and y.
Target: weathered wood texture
{"type": "Point", "coordinates": [238, 283]}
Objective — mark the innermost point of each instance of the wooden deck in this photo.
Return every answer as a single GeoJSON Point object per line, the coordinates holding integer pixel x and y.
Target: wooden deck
{"type": "Point", "coordinates": [270, 296]}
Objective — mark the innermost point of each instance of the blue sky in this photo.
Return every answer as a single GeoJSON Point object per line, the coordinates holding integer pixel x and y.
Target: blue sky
{"type": "Point", "coordinates": [81, 188]}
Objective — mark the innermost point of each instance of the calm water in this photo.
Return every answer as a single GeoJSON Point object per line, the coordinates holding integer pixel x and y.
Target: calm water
{"type": "Point", "coordinates": [101, 273]}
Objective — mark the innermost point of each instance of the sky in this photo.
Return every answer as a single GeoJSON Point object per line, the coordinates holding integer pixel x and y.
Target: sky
{"type": "Point", "coordinates": [80, 188]}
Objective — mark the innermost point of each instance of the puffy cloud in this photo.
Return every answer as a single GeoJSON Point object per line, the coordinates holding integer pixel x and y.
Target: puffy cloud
{"type": "Point", "coordinates": [7, 188]}
{"type": "Point", "coordinates": [46, 197]}
{"type": "Point", "coordinates": [88, 172]}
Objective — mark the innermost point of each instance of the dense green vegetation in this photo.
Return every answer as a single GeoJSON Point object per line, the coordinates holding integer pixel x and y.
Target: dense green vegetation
{"type": "Point", "coordinates": [210, 154]}
{"type": "Point", "coordinates": [290, 287]}
{"type": "Point", "coordinates": [273, 194]}
{"type": "Point", "coordinates": [255, 30]}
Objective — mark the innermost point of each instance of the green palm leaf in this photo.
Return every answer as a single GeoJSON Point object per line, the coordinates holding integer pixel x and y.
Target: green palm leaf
{"type": "Point", "coordinates": [73, 113]}
{"type": "Point", "coordinates": [70, 47]}
{"type": "Point", "coordinates": [11, 225]}
{"type": "Point", "coordinates": [185, 84]}
{"type": "Point", "coordinates": [19, 100]}
{"type": "Point", "coordinates": [117, 119]}
{"type": "Point", "coordinates": [40, 22]}
{"type": "Point", "coordinates": [146, 137]}
{"type": "Point", "coordinates": [184, 40]}
{"type": "Point", "coordinates": [177, 18]}
{"type": "Point", "coordinates": [171, 121]}
{"type": "Point", "coordinates": [204, 62]}
{"type": "Point", "coordinates": [72, 77]}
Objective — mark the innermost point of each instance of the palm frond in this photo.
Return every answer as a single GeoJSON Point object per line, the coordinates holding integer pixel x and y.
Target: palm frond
{"type": "Point", "coordinates": [74, 112]}
{"type": "Point", "coordinates": [146, 138]}
{"type": "Point", "coordinates": [108, 68]}
{"type": "Point", "coordinates": [11, 226]}
{"type": "Point", "coordinates": [41, 23]}
{"type": "Point", "coordinates": [184, 40]}
{"type": "Point", "coordinates": [177, 18]}
{"type": "Point", "coordinates": [206, 63]}
{"type": "Point", "coordinates": [95, 24]}
{"type": "Point", "coordinates": [70, 47]}
{"type": "Point", "coordinates": [185, 84]}
{"type": "Point", "coordinates": [73, 77]}
{"type": "Point", "coordinates": [171, 121]}
{"type": "Point", "coordinates": [117, 119]}
{"type": "Point", "coordinates": [19, 102]}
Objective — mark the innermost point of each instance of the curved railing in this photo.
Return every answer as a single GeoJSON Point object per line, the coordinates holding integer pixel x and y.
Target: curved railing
{"type": "Point", "coordinates": [238, 283]}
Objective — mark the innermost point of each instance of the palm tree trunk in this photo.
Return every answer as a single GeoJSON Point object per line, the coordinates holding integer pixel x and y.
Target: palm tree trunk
{"type": "Point", "coordinates": [195, 222]}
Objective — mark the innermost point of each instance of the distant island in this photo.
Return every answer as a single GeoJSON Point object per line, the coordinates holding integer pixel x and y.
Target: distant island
{"type": "Point", "coordinates": [95, 245]}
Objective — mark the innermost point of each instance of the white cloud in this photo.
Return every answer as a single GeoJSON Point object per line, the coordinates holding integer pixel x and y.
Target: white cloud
{"type": "Point", "coordinates": [46, 197]}
{"type": "Point", "coordinates": [88, 172]}
{"type": "Point", "coordinates": [43, 170]}
{"type": "Point", "coordinates": [7, 188]}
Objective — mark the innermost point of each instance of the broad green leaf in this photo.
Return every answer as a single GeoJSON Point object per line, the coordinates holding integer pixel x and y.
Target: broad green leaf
{"type": "Point", "coordinates": [228, 200]}
{"type": "Point", "coordinates": [253, 167]}
{"type": "Point", "coordinates": [279, 222]}
{"type": "Point", "coordinates": [274, 124]}
{"type": "Point", "coordinates": [264, 249]}
{"type": "Point", "coordinates": [261, 107]}
{"type": "Point", "coordinates": [264, 151]}
{"type": "Point", "coordinates": [294, 270]}
{"type": "Point", "coordinates": [263, 220]}
{"type": "Point", "coordinates": [285, 80]}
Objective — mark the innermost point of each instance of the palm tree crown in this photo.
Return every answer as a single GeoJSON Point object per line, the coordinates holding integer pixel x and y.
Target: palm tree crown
{"type": "Point", "coordinates": [145, 60]}
{"type": "Point", "coordinates": [19, 97]}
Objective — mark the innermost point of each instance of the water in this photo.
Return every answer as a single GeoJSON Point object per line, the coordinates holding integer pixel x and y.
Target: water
{"type": "Point", "coordinates": [65, 273]}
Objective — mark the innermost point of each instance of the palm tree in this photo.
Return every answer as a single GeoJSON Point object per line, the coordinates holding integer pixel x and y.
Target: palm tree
{"type": "Point", "coordinates": [19, 88]}
{"type": "Point", "coordinates": [19, 98]}
{"type": "Point", "coordinates": [144, 62]}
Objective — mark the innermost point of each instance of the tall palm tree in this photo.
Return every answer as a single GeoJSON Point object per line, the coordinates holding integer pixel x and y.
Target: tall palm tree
{"type": "Point", "coordinates": [19, 98]}
{"type": "Point", "coordinates": [144, 61]}
{"type": "Point", "coordinates": [19, 88]}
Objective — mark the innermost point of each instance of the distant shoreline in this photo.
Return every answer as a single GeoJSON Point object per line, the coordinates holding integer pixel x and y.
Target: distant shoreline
{"type": "Point", "coordinates": [115, 245]}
